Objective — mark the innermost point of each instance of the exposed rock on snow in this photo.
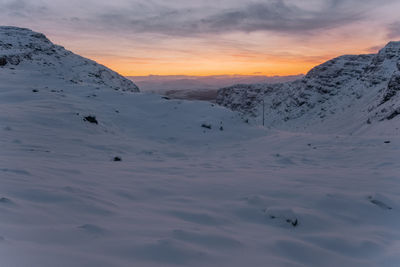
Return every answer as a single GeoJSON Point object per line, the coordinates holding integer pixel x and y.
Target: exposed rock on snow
{"type": "Point", "coordinates": [24, 49]}
{"type": "Point", "coordinates": [392, 89]}
{"type": "Point", "coordinates": [284, 216]}
{"type": "Point", "coordinates": [91, 119]}
{"type": "Point", "coordinates": [364, 87]}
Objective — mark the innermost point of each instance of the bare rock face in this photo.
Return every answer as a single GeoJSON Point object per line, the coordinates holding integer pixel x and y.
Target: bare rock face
{"type": "Point", "coordinates": [3, 61]}
{"type": "Point", "coordinates": [393, 88]}
{"type": "Point", "coordinates": [366, 87]}
{"type": "Point", "coordinates": [23, 49]}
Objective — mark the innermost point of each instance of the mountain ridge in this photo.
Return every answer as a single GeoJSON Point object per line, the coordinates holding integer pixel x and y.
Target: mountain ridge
{"type": "Point", "coordinates": [365, 84]}
{"type": "Point", "coordinates": [25, 49]}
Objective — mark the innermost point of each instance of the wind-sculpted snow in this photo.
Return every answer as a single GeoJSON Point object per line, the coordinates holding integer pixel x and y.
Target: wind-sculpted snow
{"type": "Point", "coordinates": [23, 49]}
{"type": "Point", "coordinates": [364, 87]}
{"type": "Point", "coordinates": [95, 177]}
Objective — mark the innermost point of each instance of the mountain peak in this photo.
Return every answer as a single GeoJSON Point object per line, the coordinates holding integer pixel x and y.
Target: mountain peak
{"type": "Point", "coordinates": [392, 49]}
{"type": "Point", "coordinates": [392, 44]}
{"type": "Point", "coordinates": [25, 50]}
{"type": "Point", "coordinates": [20, 31]}
{"type": "Point", "coordinates": [363, 88]}
{"type": "Point", "coordinates": [14, 38]}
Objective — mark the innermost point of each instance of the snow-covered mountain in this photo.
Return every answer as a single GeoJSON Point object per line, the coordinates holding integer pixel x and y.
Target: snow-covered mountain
{"type": "Point", "coordinates": [24, 49]}
{"type": "Point", "coordinates": [93, 176]}
{"type": "Point", "coordinates": [355, 89]}
{"type": "Point", "coordinates": [199, 87]}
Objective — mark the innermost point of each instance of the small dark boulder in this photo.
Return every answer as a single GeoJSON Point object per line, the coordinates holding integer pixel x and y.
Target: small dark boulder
{"type": "Point", "coordinates": [3, 61]}
{"type": "Point", "coordinates": [91, 119]}
{"type": "Point", "coordinates": [207, 126]}
{"type": "Point", "coordinates": [294, 222]}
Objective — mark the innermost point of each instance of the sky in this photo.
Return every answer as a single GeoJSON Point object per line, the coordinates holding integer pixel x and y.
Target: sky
{"type": "Point", "coordinates": [210, 37]}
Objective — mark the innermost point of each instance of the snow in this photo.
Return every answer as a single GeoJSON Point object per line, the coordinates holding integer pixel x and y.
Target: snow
{"type": "Point", "coordinates": [32, 51]}
{"type": "Point", "coordinates": [199, 87]}
{"type": "Point", "coordinates": [184, 195]}
{"type": "Point", "coordinates": [346, 94]}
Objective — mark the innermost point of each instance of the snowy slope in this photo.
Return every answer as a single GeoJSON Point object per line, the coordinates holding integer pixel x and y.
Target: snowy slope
{"type": "Point", "coordinates": [355, 90]}
{"type": "Point", "coordinates": [197, 186]}
{"type": "Point", "coordinates": [27, 50]}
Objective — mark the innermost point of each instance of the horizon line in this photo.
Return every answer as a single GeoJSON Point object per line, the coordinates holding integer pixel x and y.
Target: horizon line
{"type": "Point", "coordinates": [215, 75]}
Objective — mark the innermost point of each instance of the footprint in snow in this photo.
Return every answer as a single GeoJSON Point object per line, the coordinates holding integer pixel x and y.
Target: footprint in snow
{"type": "Point", "coordinates": [208, 240]}
{"type": "Point", "coordinates": [92, 229]}
{"type": "Point", "coordinates": [379, 203]}
{"type": "Point", "coordinates": [197, 218]}
{"type": "Point", "coordinates": [169, 252]}
{"type": "Point", "coordinates": [283, 160]}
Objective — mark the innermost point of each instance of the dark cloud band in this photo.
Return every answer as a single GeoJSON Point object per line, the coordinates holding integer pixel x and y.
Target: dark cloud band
{"type": "Point", "coordinates": [179, 18]}
{"type": "Point", "coordinates": [275, 16]}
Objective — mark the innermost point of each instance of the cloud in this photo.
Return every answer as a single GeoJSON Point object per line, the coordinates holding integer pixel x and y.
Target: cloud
{"type": "Point", "coordinates": [375, 49]}
{"type": "Point", "coordinates": [277, 16]}
{"type": "Point", "coordinates": [394, 30]}
{"type": "Point", "coordinates": [192, 18]}
{"type": "Point", "coordinates": [287, 17]}
{"type": "Point", "coordinates": [21, 8]}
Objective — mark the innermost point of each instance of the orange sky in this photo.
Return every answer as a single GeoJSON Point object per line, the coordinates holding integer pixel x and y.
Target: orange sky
{"type": "Point", "coordinates": [210, 37]}
{"type": "Point", "coordinates": [260, 54]}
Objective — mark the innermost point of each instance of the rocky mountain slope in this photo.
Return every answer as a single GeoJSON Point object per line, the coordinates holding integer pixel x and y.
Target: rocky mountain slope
{"type": "Point", "coordinates": [363, 87]}
{"type": "Point", "coordinates": [23, 49]}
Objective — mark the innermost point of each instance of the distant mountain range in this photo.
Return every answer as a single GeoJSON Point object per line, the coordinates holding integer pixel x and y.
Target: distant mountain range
{"type": "Point", "coordinates": [200, 87]}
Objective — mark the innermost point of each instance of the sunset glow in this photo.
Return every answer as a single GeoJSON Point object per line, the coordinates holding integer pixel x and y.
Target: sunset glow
{"type": "Point", "coordinates": [261, 37]}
